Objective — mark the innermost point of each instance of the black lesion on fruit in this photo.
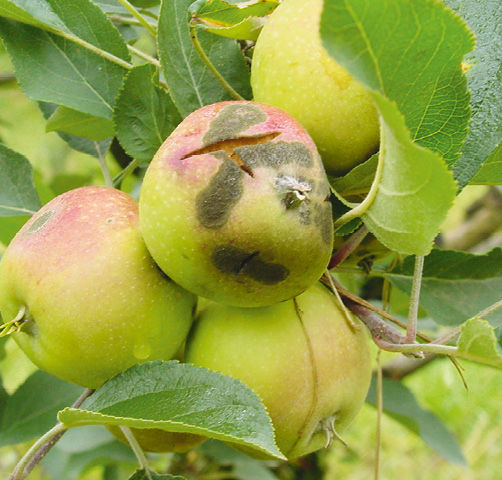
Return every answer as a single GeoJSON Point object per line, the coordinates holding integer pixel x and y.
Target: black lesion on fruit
{"type": "Point", "coordinates": [231, 121]}
{"type": "Point", "coordinates": [215, 202]}
{"type": "Point", "coordinates": [233, 260]}
{"type": "Point", "coordinates": [275, 154]}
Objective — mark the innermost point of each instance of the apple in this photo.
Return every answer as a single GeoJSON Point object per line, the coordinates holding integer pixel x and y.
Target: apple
{"type": "Point", "coordinates": [235, 205]}
{"type": "Point", "coordinates": [156, 440]}
{"type": "Point", "coordinates": [94, 301]}
{"type": "Point", "coordinates": [303, 358]}
{"type": "Point", "coordinates": [292, 70]}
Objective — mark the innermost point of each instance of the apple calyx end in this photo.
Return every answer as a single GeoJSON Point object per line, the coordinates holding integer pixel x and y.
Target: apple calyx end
{"type": "Point", "coordinates": [327, 426]}
{"type": "Point", "coordinates": [17, 323]}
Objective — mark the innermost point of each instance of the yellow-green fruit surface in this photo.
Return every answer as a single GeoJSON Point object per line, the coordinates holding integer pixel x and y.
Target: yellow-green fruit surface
{"type": "Point", "coordinates": [292, 71]}
{"type": "Point", "coordinates": [302, 357]}
{"type": "Point", "coordinates": [96, 303]}
{"type": "Point", "coordinates": [156, 440]}
{"type": "Point", "coordinates": [235, 206]}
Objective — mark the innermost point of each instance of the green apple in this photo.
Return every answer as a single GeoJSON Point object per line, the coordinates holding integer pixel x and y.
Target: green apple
{"type": "Point", "coordinates": [156, 440]}
{"type": "Point", "coordinates": [291, 70]}
{"type": "Point", "coordinates": [303, 357]}
{"type": "Point", "coordinates": [235, 205]}
{"type": "Point", "coordinates": [91, 300]}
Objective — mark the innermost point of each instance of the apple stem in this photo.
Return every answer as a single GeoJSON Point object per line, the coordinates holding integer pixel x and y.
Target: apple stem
{"type": "Point", "coordinates": [348, 247]}
{"type": "Point", "coordinates": [43, 445]}
{"type": "Point", "coordinates": [411, 329]}
{"type": "Point", "coordinates": [140, 455]}
{"type": "Point", "coordinates": [198, 47]}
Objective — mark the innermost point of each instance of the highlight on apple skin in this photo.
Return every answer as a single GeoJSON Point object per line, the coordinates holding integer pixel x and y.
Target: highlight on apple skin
{"type": "Point", "coordinates": [235, 205]}
{"type": "Point", "coordinates": [304, 358]}
{"type": "Point", "coordinates": [94, 301]}
{"type": "Point", "coordinates": [292, 70]}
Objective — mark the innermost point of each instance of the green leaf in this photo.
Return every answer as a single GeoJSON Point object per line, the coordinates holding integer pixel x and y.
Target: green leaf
{"type": "Point", "coordinates": [491, 171]}
{"type": "Point", "coordinates": [242, 21]}
{"type": "Point", "coordinates": [144, 114]}
{"type": "Point", "coordinates": [412, 191]}
{"type": "Point", "coordinates": [484, 77]}
{"type": "Point", "coordinates": [358, 181]}
{"type": "Point", "coordinates": [410, 62]}
{"type": "Point", "coordinates": [80, 124]}
{"type": "Point", "coordinates": [456, 286]}
{"type": "Point", "coordinates": [32, 409]}
{"type": "Point", "coordinates": [478, 342]}
{"type": "Point", "coordinates": [50, 68]}
{"type": "Point", "coordinates": [39, 13]}
{"type": "Point", "coordinates": [411, 55]}
{"type": "Point", "coordinates": [17, 189]}
{"type": "Point", "coordinates": [179, 398]}
{"type": "Point", "coordinates": [400, 404]}
{"type": "Point", "coordinates": [191, 83]}
{"type": "Point", "coordinates": [142, 475]}
{"type": "Point", "coordinates": [84, 145]}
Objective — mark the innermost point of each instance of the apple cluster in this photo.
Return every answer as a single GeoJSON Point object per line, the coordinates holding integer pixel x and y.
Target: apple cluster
{"type": "Point", "coordinates": [234, 209]}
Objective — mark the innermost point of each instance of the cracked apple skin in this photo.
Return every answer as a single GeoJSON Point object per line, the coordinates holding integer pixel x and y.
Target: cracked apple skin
{"type": "Point", "coordinates": [292, 70]}
{"type": "Point", "coordinates": [96, 303]}
{"type": "Point", "coordinates": [309, 366]}
{"type": "Point", "coordinates": [235, 205]}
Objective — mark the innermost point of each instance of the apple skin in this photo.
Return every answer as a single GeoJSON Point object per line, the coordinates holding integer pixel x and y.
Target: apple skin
{"type": "Point", "coordinates": [155, 440]}
{"type": "Point", "coordinates": [235, 207]}
{"type": "Point", "coordinates": [96, 301]}
{"type": "Point", "coordinates": [292, 70]}
{"type": "Point", "coordinates": [309, 366]}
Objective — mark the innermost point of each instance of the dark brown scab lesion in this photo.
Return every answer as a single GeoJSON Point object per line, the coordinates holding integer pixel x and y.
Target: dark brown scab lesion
{"type": "Point", "coordinates": [214, 204]}
{"type": "Point", "coordinates": [233, 260]}
{"type": "Point", "coordinates": [231, 121]}
{"type": "Point", "coordinates": [275, 154]}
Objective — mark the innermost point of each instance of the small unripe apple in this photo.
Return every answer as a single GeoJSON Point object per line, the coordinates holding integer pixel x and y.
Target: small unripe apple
{"type": "Point", "coordinates": [235, 205]}
{"type": "Point", "coordinates": [304, 359]}
{"type": "Point", "coordinates": [94, 301]}
{"type": "Point", "coordinates": [292, 70]}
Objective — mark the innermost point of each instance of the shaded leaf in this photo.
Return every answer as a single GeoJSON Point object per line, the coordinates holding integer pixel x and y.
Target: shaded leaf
{"type": "Point", "coordinates": [491, 171]}
{"type": "Point", "coordinates": [456, 286]}
{"type": "Point", "coordinates": [17, 189]}
{"type": "Point", "coordinates": [400, 404]}
{"type": "Point", "coordinates": [80, 124]}
{"type": "Point", "coordinates": [65, 462]}
{"type": "Point", "coordinates": [84, 145]}
{"type": "Point", "coordinates": [179, 398]}
{"type": "Point", "coordinates": [50, 68]}
{"type": "Point", "coordinates": [144, 114]}
{"type": "Point", "coordinates": [484, 76]}
{"type": "Point", "coordinates": [33, 407]}
{"type": "Point", "coordinates": [478, 342]}
{"type": "Point", "coordinates": [191, 83]}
